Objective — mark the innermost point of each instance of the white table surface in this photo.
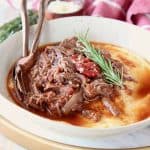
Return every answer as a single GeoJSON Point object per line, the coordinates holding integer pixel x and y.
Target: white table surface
{"type": "Point", "coordinates": [140, 138]}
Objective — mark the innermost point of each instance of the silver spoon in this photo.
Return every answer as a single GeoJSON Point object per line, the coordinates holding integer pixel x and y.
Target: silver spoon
{"type": "Point", "coordinates": [26, 62]}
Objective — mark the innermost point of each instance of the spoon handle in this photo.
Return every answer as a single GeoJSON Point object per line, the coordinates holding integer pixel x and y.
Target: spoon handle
{"type": "Point", "coordinates": [39, 26]}
{"type": "Point", "coordinates": [25, 27]}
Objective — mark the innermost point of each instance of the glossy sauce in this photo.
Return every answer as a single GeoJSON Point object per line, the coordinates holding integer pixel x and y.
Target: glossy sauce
{"type": "Point", "coordinates": [144, 111]}
{"type": "Point", "coordinates": [144, 87]}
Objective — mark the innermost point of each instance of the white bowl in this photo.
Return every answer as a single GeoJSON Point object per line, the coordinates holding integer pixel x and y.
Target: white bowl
{"type": "Point", "coordinates": [106, 30]}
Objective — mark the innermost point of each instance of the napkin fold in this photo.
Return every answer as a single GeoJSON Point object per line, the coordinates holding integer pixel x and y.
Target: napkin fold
{"type": "Point", "coordinates": [132, 11]}
{"type": "Point", "coordinates": [139, 13]}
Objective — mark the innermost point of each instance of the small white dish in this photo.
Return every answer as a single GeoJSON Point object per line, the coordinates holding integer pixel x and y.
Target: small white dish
{"type": "Point", "coordinates": [65, 7]}
{"type": "Point", "coordinates": [105, 30]}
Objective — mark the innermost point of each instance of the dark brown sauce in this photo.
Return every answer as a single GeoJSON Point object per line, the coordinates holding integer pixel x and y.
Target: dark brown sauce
{"type": "Point", "coordinates": [143, 91]}
{"type": "Point", "coordinates": [144, 87]}
{"type": "Point", "coordinates": [144, 109]}
{"type": "Point", "coordinates": [144, 112]}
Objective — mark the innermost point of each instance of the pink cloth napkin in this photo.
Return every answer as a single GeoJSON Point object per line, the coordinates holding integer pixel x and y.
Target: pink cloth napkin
{"type": "Point", "coordinates": [133, 11]}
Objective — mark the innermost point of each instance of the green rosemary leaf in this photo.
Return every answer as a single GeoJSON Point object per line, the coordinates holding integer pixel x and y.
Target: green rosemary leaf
{"type": "Point", "coordinates": [112, 76]}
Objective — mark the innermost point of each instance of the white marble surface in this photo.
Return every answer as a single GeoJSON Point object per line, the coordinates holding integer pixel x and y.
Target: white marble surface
{"type": "Point", "coordinates": [6, 144]}
{"type": "Point", "coordinates": [138, 139]}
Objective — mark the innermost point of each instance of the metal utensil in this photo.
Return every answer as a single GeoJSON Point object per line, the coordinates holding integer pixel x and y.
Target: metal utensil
{"type": "Point", "coordinates": [28, 58]}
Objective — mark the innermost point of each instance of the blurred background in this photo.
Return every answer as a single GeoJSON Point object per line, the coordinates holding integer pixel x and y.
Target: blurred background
{"type": "Point", "coordinates": [133, 11]}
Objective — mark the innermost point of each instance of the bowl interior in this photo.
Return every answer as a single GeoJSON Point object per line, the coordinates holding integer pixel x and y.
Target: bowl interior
{"type": "Point", "coordinates": [100, 29]}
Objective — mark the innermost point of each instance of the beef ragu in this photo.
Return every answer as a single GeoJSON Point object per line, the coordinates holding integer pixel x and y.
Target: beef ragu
{"type": "Point", "coordinates": [64, 84]}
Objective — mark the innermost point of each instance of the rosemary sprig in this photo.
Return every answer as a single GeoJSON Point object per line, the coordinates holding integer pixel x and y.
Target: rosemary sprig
{"type": "Point", "coordinates": [112, 76]}
{"type": "Point", "coordinates": [15, 25]}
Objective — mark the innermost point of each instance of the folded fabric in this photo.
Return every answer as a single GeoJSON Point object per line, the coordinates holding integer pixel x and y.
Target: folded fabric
{"type": "Point", "coordinates": [132, 11]}
{"type": "Point", "coordinates": [139, 13]}
{"type": "Point", "coordinates": [108, 8]}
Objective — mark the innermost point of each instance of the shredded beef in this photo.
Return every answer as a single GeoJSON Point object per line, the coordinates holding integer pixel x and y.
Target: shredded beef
{"type": "Point", "coordinates": [63, 80]}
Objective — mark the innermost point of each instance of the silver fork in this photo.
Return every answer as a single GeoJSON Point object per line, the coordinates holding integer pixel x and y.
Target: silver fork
{"type": "Point", "coordinates": [28, 57]}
